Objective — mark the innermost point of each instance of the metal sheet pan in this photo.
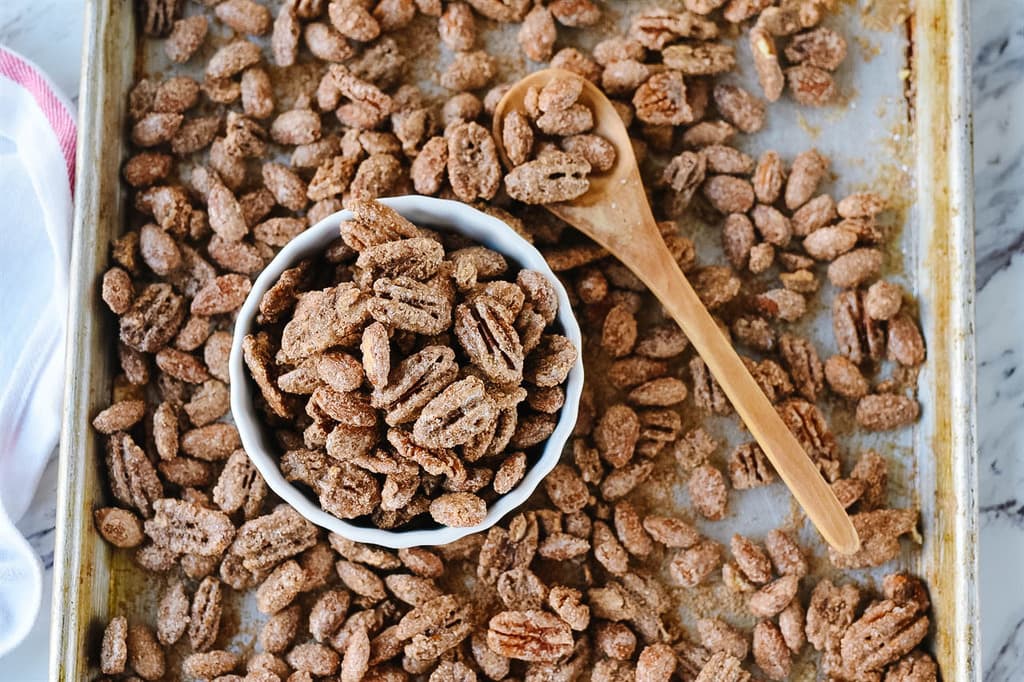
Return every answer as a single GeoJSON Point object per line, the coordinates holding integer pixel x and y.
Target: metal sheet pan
{"type": "Point", "coordinates": [906, 125]}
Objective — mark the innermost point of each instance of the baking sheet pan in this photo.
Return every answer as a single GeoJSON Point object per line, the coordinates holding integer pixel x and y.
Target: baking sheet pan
{"type": "Point", "coordinates": [905, 129]}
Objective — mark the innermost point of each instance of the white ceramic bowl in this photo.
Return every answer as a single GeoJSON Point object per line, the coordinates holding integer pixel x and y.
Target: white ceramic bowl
{"type": "Point", "coordinates": [442, 215]}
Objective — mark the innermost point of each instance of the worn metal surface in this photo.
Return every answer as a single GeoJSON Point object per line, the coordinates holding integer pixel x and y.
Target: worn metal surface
{"type": "Point", "coordinates": [905, 130]}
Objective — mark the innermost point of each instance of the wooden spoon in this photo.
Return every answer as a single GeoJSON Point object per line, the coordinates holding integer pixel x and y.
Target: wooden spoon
{"type": "Point", "coordinates": [614, 213]}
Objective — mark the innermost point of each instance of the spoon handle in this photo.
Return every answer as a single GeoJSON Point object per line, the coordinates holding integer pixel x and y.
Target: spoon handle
{"type": "Point", "coordinates": [662, 275]}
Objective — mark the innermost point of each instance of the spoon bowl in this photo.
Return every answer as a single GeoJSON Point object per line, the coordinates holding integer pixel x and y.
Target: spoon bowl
{"type": "Point", "coordinates": [615, 213]}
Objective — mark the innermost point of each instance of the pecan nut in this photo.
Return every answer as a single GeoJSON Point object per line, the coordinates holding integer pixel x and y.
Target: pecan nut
{"type": "Point", "coordinates": [485, 330]}
{"type": "Point", "coordinates": [529, 636]}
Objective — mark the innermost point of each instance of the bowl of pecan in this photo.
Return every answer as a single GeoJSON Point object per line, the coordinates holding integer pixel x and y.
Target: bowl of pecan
{"type": "Point", "coordinates": [406, 372]}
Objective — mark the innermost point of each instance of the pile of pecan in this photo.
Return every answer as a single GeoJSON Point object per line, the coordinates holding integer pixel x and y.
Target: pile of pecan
{"type": "Point", "coordinates": [623, 565]}
{"type": "Point", "coordinates": [454, 384]}
{"type": "Point", "coordinates": [553, 174]}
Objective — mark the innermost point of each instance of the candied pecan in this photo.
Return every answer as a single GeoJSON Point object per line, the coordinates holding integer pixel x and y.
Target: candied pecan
{"type": "Point", "coordinates": [608, 551]}
{"type": "Point", "coordinates": [845, 378]}
{"type": "Point", "coordinates": [914, 667]}
{"type": "Point", "coordinates": [145, 655]}
{"type": "Point", "coordinates": [429, 167]}
{"type": "Point", "coordinates": [576, 12]}
{"type": "Point", "coordinates": [770, 651]}
{"type": "Point", "coordinates": [119, 527]}
{"type": "Point", "coordinates": [811, 85]}
{"type": "Point", "coordinates": [537, 34]}
{"type": "Point", "coordinates": [204, 619]}
{"type": "Point", "coordinates": [185, 38]}
{"type": "Point", "coordinates": [872, 471]}
{"type": "Point", "coordinates": [620, 482]}
{"type": "Point", "coordinates": [858, 336]}
{"type": "Point", "coordinates": [671, 532]}
{"type": "Point", "coordinates": [718, 636]}
{"type": "Point", "coordinates": [458, 510]}
{"type": "Point", "coordinates": [346, 490]}
{"type": "Point", "coordinates": [782, 304]}
{"type": "Point", "coordinates": [751, 560]}
{"type": "Point", "coordinates": [240, 486]}
{"type": "Point", "coordinates": [117, 291]}
{"type": "Point", "coordinates": [172, 614]}
{"type": "Point", "coordinates": [213, 442]}
{"type": "Point", "coordinates": [280, 588]}
{"type": "Point", "coordinates": [723, 667]}
{"type": "Point", "coordinates": [529, 635]}
{"type": "Point", "coordinates": [728, 194]}
{"type": "Point", "coordinates": [702, 59]}
{"type": "Point", "coordinates": [657, 663]}
{"type": "Point", "coordinates": [209, 403]}
{"type": "Point", "coordinates": [133, 480]}
{"type": "Point", "coordinates": [555, 177]}
{"type": "Point", "coordinates": [723, 159]}
{"type": "Point", "coordinates": [885, 632]}
{"type": "Point", "coordinates": [803, 364]}
{"type": "Point", "coordinates": [709, 492]}
{"type": "Point", "coordinates": [176, 95]}
{"type": "Point", "coordinates": [211, 665]}
{"type": "Point", "coordinates": [470, 70]}
{"type": "Point", "coordinates": [885, 411]}
{"type": "Point", "coordinates": [616, 434]}
{"type": "Point", "coordinates": [661, 100]}
{"type": "Point", "coordinates": [566, 489]}
{"type": "Point", "coordinates": [181, 366]}
{"type": "Point", "coordinates": [550, 362]}
{"type": "Point", "coordinates": [517, 137]}
{"type": "Point", "coordinates": [821, 47]}
{"type": "Point", "coordinates": [659, 392]}
{"type": "Point", "coordinates": [120, 416]}
{"type": "Point", "coordinates": [571, 59]}
{"type": "Point", "coordinates": [880, 531]}
{"type": "Point", "coordinates": [155, 128]}
{"type": "Point", "coordinates": [707, 393]}
{"type": "Point", "coordinates": [353, 20]}
{"type": "Point", "coordinates": [153, 318]}
{"type": "Point", "coordinates": [522, 587]}
{"type": "Point", "coordinates": [114, 651]}
{"type": "Point", "coordinates": [454, 415]}
{"type": "Point", "coordinates": [691, 566]}
{"type": "Point", "coordinates": [594, 149]}
{"type": "Point", "coordinates": [739, 107]}
{"type": "Point", "coordinates": [630, 530]}
{"type": "Point", "coordinates": [808, 169]}
{"type": "Point", "coordinates": [854, 268]}
{"type": "Point", "coordinates": [232, 58]}
{"type": "Point", "coordinates": [716, 284]}
{"type": "Point", "coordinates": [684, 174]}
{"type": "Point", "coordinates": [860, 205]}
{"type": "Point", "coordinates": [457, 27]}
{"type": "Point", "coordinates": [773, 597]}
{"type": "Point", "coordinates": [185, 527]}
{"type": "Point", "coordinates": [738, 239]}
{"type": "Point", "coordinates": [655, 28]}
{"type": "Point", "coordinates": [473, 167]}
{"type": "Point", "coordinates": [882, 300]}
{"type": "Point", "coordinates": [486, 333]}
{"type": "Point", "coordinates": [509, 473]}
{"type": "Point", "coordinates": [749, 467]}
{"type": "Point", "coordinates": [267, 540]}
{"type": "Point", "coordinates": [904, 342]}
{"type": "Point", "coordinates": [761, 257]}
{"type": "Point", "coordinates": [340, 371]}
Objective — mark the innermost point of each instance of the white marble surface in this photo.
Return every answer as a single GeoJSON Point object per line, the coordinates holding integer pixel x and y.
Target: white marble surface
{"type": "Point", "coordinates": [49, 32]}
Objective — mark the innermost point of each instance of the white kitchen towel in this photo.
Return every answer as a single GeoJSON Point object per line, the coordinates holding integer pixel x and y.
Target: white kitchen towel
{"type": "Point", "coordinates": [37, 165]}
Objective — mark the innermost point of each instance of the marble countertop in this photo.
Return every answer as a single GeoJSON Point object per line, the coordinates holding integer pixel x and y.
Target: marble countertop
{"type": "Point", "coordinates": [49, 33]}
